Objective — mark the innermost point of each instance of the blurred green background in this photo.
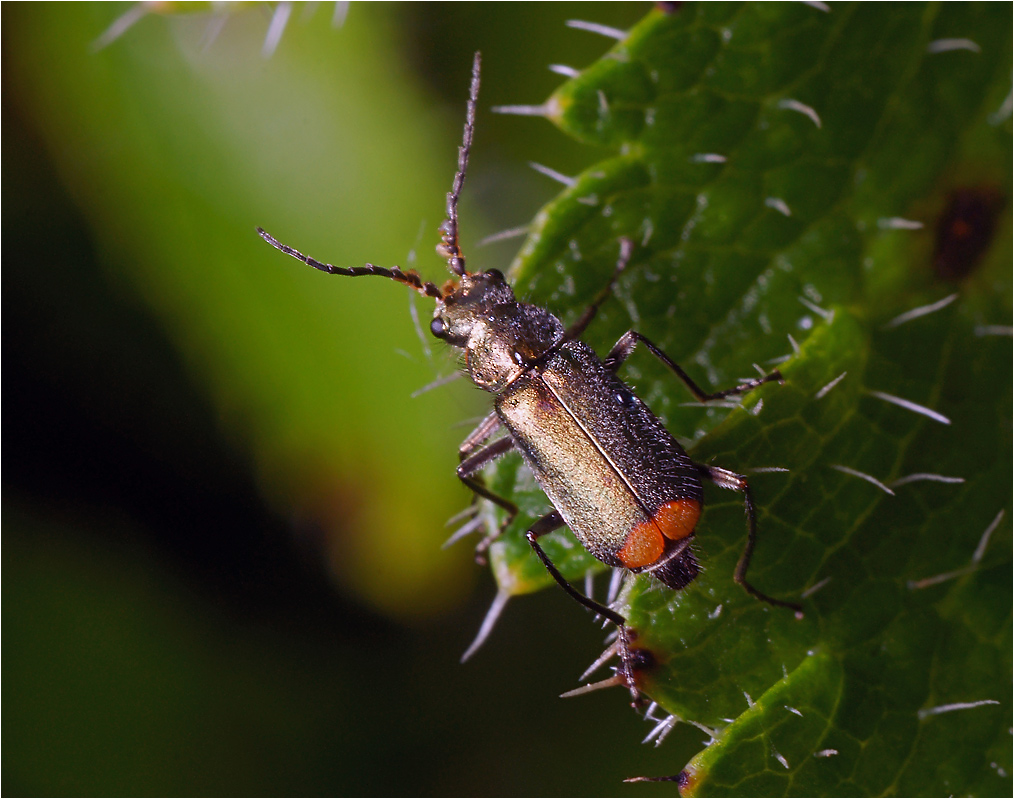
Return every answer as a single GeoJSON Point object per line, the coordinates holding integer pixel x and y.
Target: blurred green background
{"type": "Point", "coordinates": [223, 508]}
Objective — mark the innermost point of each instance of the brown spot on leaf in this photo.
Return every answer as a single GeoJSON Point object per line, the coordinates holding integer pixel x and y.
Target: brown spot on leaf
{"type": "Point", "coordinates": [965, 230]}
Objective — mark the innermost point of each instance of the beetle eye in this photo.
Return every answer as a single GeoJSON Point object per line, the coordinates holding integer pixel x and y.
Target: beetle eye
{"type": "Point", "coordinates": [438, 327]}
{"type": "Point", "coordinates": [496, 274]}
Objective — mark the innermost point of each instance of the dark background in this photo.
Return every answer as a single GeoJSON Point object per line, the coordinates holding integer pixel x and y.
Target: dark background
{"type": "Point", "coordinates": [222, 508]}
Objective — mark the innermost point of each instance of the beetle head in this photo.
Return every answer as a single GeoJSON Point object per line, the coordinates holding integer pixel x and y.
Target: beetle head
{"type": "Point", "coordinates": [501, 337]}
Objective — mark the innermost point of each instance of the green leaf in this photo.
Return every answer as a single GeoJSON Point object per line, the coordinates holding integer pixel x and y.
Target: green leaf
{"type": "Point", "coordinates": [786, 175]}
{"type": "Point", "coordinates": [176, 150]}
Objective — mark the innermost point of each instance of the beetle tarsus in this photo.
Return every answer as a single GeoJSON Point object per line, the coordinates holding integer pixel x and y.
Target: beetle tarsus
{"type": "Point", "coordinates": [630, 663]}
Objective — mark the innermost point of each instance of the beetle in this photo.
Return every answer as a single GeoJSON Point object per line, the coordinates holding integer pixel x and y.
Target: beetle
{"type": "Point", "coordinates": [614, 474]}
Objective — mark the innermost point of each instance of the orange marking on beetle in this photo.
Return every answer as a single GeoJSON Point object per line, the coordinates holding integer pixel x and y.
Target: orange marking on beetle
{"type": "Point", "coordinates": [644, 546]}
{"type": "Point", "coordinates": [645, 543]}
{"type": "Point", "coordinates": [677, 519]}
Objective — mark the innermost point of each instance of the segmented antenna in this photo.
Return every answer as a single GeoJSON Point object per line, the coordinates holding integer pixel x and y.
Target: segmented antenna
{"type": "Point", "coordinates": [410, 278]}
{"type": "Point", "coordinates": [449, 248]}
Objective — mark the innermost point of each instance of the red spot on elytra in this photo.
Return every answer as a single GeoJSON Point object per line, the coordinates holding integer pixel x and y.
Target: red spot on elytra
{"type": "Point", "coordinates": [645, 544]}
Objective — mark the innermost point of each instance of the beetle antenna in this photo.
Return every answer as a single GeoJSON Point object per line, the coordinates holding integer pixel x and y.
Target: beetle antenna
{"type": "Point", "coordinates": [410, 278]}
{"type": "Point", "coordinates": [448, 247]}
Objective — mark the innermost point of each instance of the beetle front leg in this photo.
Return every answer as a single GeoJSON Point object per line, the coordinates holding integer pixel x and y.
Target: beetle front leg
{"type": "Point", "coordinates": [628, 341]}
{"type": "Point", "coordinates": [489, 425]}
{"type": "Point", "coordinates": [466, 471]}
{"type": "Point", "coordinates": [554, 521]}
{"type": "Point", "coordinates": [723, 478]}
{"type": "Point", "coordinates": [578, 327]}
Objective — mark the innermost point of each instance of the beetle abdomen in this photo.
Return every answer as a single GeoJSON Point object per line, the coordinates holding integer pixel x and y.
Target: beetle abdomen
{"type": "Point", "coordinates": [622, 483]}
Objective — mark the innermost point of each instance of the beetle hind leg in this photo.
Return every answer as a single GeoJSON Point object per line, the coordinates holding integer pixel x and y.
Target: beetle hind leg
{"type": "Point", "coordinates": [629, 658]}
{"type": "Point", "coordinates": [723, 478]}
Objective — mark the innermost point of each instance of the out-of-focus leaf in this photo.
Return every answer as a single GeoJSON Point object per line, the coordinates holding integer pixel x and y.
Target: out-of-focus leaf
{"type": "Point", "coordinates": [176, 147]}
{"type": "Point", "coordinates": [784, 173]}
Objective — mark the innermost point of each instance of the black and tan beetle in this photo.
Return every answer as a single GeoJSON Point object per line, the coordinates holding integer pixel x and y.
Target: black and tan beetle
{"type": "Point", "coordinates": [616, 477]}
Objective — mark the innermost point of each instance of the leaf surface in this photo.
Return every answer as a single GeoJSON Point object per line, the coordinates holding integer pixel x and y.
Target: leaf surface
{"type": "Point", "coordinates": [794, 182]}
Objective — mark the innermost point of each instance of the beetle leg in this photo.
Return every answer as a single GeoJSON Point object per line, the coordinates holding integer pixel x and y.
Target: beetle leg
{"type": "Point", "coordinates": [622, 349]}
{"type": "Point", "coordinates": [471, 445]}
{"type": "Point", "coordinates": [576, 329]}
{"type": "Point", "coordinates": [479, 436]}
{"type": "Point", "coordinates": [723, 478]}
{"type": "Point", "coordinates": [470, 465]}
{"type": "Point", "coordinates": [553, 521]}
